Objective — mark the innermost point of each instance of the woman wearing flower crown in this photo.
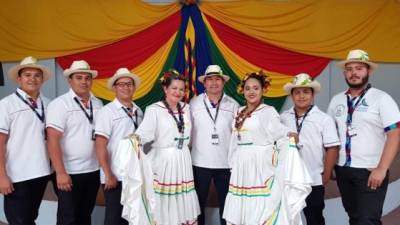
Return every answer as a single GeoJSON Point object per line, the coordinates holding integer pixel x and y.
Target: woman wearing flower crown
{"type": "Point", "coordinates": [265, 170]}
{"type": "Point", "coordinates": [167, 125]}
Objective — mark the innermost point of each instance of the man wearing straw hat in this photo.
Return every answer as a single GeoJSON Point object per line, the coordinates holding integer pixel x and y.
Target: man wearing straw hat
{"type": "Point", "coordinates": [24, 163]}
{"type": "Point", "coordinates": [70, 128]}
{"type": "Point", "coordinates": [368, 125]}
{"type": "Point", "coordinates": [318, 141]}
{"type": "Point", "coordinates": [212, 116]}
{"type": "Point", "coordinates": [115, 121]}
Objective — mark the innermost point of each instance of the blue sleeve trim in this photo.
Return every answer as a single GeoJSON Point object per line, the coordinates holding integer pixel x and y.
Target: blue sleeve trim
{"type": "Point", "coordinates": [393, 126]}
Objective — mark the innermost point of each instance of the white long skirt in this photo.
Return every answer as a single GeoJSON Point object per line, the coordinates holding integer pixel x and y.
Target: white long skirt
{"type": "Point", "coordinates": [176, 198]}
{"type": "Point", "coordinates": [157, 188]}
{"type": "Point", "coordinates": [267, 186]}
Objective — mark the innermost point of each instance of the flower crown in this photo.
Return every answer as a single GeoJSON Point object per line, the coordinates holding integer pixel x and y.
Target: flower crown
{"type": "Point", "coordinates": [260, 75]}
{"type": "Point", "coordinates": [166, 75]}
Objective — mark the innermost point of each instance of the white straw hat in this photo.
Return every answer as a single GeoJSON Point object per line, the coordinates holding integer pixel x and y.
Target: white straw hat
{"type": "Point", "coordinates": [79, 66]}
{"type": "Point", "coordinates": [360, 56]}
{"type": "Point", "coordinates": [302, 80]}
{"type": "Point", "coordinates": [29, 62]}
{"type": "Point", "coordinates": [213, 70]}
{"type": "Point", "coordinates": [123, 72]}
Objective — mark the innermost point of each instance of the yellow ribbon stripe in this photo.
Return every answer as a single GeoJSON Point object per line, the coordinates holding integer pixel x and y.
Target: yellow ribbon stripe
{"type": "Point", "coordinates": [173, 189]}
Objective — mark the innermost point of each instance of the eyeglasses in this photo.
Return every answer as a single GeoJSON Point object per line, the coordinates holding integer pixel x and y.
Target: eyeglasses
{"type": "Point", "coordinates": [124, 84]}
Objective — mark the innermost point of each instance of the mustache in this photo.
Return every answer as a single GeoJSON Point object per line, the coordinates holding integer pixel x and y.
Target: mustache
{"type": "Point", "coordinates": [353, 76]}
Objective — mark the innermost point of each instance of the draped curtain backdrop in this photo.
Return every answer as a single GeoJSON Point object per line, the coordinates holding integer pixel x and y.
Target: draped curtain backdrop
{"type": "Point", "coordinates": [282, 38]}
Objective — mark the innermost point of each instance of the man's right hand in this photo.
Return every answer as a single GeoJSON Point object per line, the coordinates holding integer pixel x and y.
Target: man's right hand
{"type": "Point", "coordinates": [110, 182]}
{"type": "Point", "coordinates": [64, 182]}
{"type": "Point", "coordinates": [6, 187]}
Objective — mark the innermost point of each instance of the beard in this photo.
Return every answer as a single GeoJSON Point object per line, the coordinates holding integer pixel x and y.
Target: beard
{"type": "Point", "coordinates": [361, 85]}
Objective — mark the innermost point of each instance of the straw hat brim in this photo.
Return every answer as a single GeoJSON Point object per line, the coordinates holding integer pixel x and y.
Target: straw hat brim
{"type": "Point", "coordinates": [68, 72]}
{"type": "Point", "coordinates": [111, 81]}
{"type": "Point", "coordinates": [342, 64]}
{"type": "Point", "coordinates": [202, 77]}
{"type": "Point", "coordinates": [13, 71]}
{"type": "Point", "coordinates": [314, 85]}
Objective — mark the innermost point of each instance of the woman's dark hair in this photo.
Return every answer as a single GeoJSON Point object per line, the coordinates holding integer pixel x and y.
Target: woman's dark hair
{"type": "Point", "coordinates": [260, 76]}
{"type": "Point", "coordinates": [171, 75]}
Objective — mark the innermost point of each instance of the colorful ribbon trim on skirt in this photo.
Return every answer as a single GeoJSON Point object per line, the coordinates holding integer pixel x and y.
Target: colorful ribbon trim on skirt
{"type": "Point", "coordinates": [260, 191]}
{"type": "Point", "coordinates": [173, 189]}
{"type": "Point", "coordinates": [274, 216]}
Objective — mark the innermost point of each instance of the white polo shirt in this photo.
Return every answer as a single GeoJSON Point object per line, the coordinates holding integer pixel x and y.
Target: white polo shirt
{"type": "Point", "coordinates": [114, 123]}
{"type": "Point", "coordinates": [204, 153]}
{"type": "Point", "coordinates": [317, 133]}
{"type": "Point", "coordinates": [26, 154]}
{"type": "Point", "coordinates": [66, 116]}
{"type": "Point", "coordinates": [377, 112]}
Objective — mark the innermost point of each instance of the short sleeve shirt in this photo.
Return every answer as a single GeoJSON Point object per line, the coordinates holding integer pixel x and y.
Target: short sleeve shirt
{"type": "Point", "coordinates": [204, 153]}
{"type": "Point", "coordinates": [66, 116]}
{"type": "Point", "coordinates": [114, 123]}
{"type": "Point", "coordinates": [318, 131]}
{"type": "Point", "coordinates": [376, 112]}
{"type": "Point", "coordinates": [26, 153]}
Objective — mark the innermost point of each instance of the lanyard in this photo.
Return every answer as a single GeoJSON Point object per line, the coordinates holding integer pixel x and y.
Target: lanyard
{"type": "Point", "coordinates": [350, 131]}
{"type": "Point", "coordinates": [41, 117]}
{"type": "Point", "coordinates": [300, 125]}
{"type": "Point", "coordinates": [209, 113]}
{"type": "Point", "coordinates": [135, 122]}
{"type": "Point", "coordinates": [180, 124]}
{"type": "Point", "coordinates": [351, 108]}
{"type": "Point", "coordinates": [241, 117]}
{"type": "Point", "coordinates": [88, 116]}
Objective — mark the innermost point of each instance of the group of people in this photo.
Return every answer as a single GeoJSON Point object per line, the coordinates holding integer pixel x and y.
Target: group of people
{"type": "Point", "coordinates": [266, 167]}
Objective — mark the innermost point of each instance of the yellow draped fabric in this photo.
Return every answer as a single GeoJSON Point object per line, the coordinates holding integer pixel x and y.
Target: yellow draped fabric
{"type": "Point", "coordinates": [47, 29]}
{"type": "Point", "coordinates": [148, 72]}
{"type": "Point", "coordinates": [327, 28]}
{"type": "Point", "coordinates": [240, 66]}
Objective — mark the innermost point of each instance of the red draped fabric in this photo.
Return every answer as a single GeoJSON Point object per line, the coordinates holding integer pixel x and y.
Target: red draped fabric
{"type": "Point", "coordinates": [265, 55]}
{"type": "Point", "coordinates": [128, 52]}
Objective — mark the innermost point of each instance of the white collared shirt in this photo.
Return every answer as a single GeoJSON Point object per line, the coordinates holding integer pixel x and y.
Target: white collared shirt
{"type": "Point", "coordinates": [26, 153]}
{"type": "Point", "coordinates": [66, 116]}
{"type": "Point", "coordinates": [113, 123]}
{"type": "Point", "coordinates": [376, 112]}
{"type": "Point", "coordinates": [204, 153]}
{"type": "Point", "coordinates": [317, 133]}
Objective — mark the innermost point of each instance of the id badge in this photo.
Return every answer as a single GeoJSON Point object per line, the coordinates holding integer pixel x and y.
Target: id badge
{"type": "Point", "coordinates": [93, 135]}
{"type": "Point", "coordinates": [214, 139]}
{"type": "Point", "coordinates": [351, 131]}
{"type": "Point", "coordinates": [180, 143]}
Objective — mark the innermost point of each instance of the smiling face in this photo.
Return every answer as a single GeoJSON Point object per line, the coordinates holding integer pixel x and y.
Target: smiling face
{"type": "Point", "coordinates": [175, 91]}
{"type": "Point", "coordinates": [124, 88]}
{"type": "Point", "coordinates": [253, 91]}
{"type": "Point", "coordinates": [81, 83]}
{"type": "Point", "coordinates": [30, 80]}
{"type": "Point", "coordinates": [303, 98]}
{"type": "Point", "coordinates": [214, 85]}
{"type": "Point", "coordinates": [356, 74]}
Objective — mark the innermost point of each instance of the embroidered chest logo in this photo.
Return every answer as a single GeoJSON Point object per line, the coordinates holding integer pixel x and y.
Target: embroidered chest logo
{"type": "Point", "coordinates": [363, 107]}
{"type": "Point", "coordinates": [339, 110]}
